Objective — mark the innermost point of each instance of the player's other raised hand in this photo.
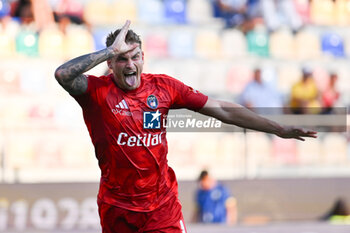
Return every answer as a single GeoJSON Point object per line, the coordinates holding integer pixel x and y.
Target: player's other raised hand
{"type": "Point", "coordinates": [297, 133]}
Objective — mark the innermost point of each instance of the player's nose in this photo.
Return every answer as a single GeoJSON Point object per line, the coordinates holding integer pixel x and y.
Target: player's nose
{"type": "Point", "coordinates": [129, 63]}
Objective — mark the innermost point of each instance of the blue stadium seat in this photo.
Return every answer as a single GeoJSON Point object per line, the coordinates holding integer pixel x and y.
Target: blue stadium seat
{"type": "Point", "coordinates": [333, 44]}
{"type": "Point", "coordinates": [181, 44]}
{"type": "Point", "coordinates": [100, 35]}
{"type": "Point", "coordinates": [175, 11]}
{"type": "Point", "coordinates": [151, 11]}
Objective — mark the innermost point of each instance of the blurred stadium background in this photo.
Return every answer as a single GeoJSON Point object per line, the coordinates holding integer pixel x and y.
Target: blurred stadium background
{"type": "Point", "coordinates": [48, 172]}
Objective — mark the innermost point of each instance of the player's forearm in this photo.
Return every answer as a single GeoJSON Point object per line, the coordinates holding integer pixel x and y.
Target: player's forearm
{"type": "Point", "coordinates": [68, 71]}
{"type": "Point", "coordinates": [245, 118]}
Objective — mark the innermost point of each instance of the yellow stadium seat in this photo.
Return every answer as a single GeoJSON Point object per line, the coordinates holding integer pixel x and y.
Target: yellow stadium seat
{"type": "Point", "coordinates": [21, 156]}
{"type": "Point", "coordinates": [307, 45]}
{"type": "Point", "coordinates": [7, 46]}
{"type": "Point", "coordinates": [322, 12]}
{"type": "Point", "coordinates": [96, 12]}
{"type": "Point", "coordinates": [342, 12]}
{"type": "Point", "coordinates": [207, 44]}
{"type": "Point", "coordinates": [121, 10]}
{"type": "Point", "coordinates": [78, 41]}
{"type": "Point", "coordinates": [196, 6]}
{"type": "Point", "coordinates": [51, 43]}
{"type": "Point", "coordinates": [282, 44]}
{"type": "Point", "coordinates": [233, 44]}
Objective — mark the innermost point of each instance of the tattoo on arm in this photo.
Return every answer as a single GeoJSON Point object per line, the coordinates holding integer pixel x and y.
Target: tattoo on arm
{"type": "Point", "coordinates": [70, 74]}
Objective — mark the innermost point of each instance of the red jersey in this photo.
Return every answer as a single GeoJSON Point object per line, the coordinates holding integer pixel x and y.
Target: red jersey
{"type": "Point", "coordinates": [132, 156]}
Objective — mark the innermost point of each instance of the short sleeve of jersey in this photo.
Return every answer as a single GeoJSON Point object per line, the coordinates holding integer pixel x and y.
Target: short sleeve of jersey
{"type": "Point", "coordinates": [85, 98]}
{"type": "Point", "coordinates": [185, 96]}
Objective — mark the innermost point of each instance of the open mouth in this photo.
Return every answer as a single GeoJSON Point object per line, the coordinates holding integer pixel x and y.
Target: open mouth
{"type": "Point", "coordinates": [130, 78]}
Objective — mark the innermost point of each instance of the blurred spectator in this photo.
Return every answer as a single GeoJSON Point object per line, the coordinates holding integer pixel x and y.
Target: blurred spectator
{"type": "Point", "coordinates": [260, 96]}
{"type": "Point", "coordinates": [339, 209]}
{"type": "Point", "coordinates": [33, 11]}
{"type": "Point", "coordinates": [4, 8]}
{"type": "Point", "coordinates": [305, 94]}
{"type": "Point", "coordinates": [70, 11]}
{"type": "Point", "coordinates": [330, 95]}
{"type": "Point", "coordinates": [43, 14]}
{"type": "Point", "coordinates": [23, 11]}
{"type": "Point", "coordinates": [279, 13]}
{"type": "Point", "coordinates": [243, 14]}
{"type": "Point", "coordinates": [214, 204]}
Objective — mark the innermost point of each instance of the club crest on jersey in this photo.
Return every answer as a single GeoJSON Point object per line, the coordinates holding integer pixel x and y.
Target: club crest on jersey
{"type": "Point", "coordinates": [152, 101]}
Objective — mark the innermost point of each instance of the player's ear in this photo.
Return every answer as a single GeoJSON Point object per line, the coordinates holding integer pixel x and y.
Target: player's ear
{"type": "Point", "coordinates": [109, 63]}
{"type": "Point", "coordinates": [143, 56]}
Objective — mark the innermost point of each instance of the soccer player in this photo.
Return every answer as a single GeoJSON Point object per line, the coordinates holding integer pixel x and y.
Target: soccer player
{"type": "Point", "coordinates": [138, 190]}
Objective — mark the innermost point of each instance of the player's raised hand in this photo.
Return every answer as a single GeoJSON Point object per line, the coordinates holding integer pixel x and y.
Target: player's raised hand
{"type": "Point", "coordinates": [119, 45]}
{"type": "Point", "coordinates": [297, 133]}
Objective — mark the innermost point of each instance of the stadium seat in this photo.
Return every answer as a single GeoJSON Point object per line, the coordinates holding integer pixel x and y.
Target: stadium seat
{"type": "Point", "coordinates": [181, 44]}
{"type": "Point", "coordinates": [175, 11]}
{"type": "Point", "coordinates": [233, 144]}
{"type": "Point", "coordinates": [322, 12]}
{"type": "Point", "coordinates": [258, 43]}
{"type": "Point", "coordinates": [343, 80]}
{"type": "Point", "coordinates": [9, 80]}
{"type": "Point", "coordinates": [282, 44]}
{"type": "Point", "coordinates": [342, 12]}
{"type": "Point", "coordinates": [7, 45]}
{"type": "Point", "coordinates": [32, 79]}
{"type": "Point", "coordinates": [76, 152]}
{"type": "Point", "coordinates": [284, 151]}
{"type": "Point", "coordinates": [156, 45]}
{"type": "Point", "coordinates": [303, 9]}
{"type": "Point", "coordinates": [321, 76]}
{"type": "Point", "coordinates": [27, 43]}
{"type": "Point", "coordinates": [97, 12]}
{"type": "Point", "coordinates": [258, 150]}
{"type": "Point", "coordinates": [208, 44]}
{"type": "Point", "coordinates": [150, 11]}
{"type": "Point", "coordinates": [23, 156]}
{"type": "Point", "coordinates": [190, 72]}
{"type": "Point", "coordinates": [51, 43]}
{"type": "Point", "coordinates": [334, 149]}
{"type": "Point", "coordinates": [100, 34]}
{"type": "Point", "coordinates": [233, 43]}
{"type": "Point", "coordinates": [78, 41]}
{"type": "Point", "coordinates": [205, 148]}
{"type": "Point", "coordinates": [307, 45]}
{"type": "Point", "coordinates": [213, 77]}
{"type": "Point", "coordinates": [309, 152]}
{"type": "Point", "coordinates": [4, 8]}
{"type": "Point", "coordinates": [237, 78]}
{"type": "Point", "coordinates": [122, 10]}
{"type": "Point", "coordinates": [332, 44]}
{"type": "Point", "coordinates": [196, 6]}
{"type": "Point", "coordinates": [288, 74]}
